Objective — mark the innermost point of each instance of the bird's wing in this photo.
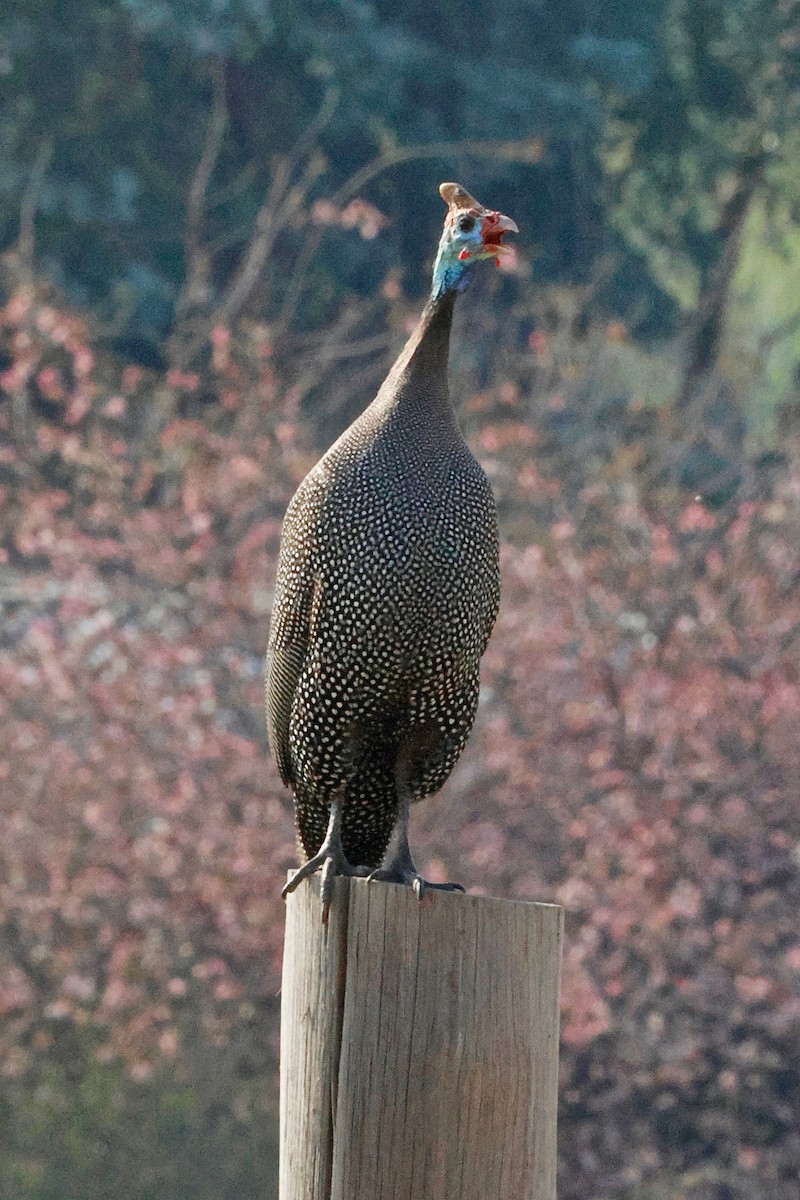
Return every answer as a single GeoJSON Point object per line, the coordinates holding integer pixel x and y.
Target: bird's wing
{"type": "Point", "coordinates": [284, 664]}
{"type": "Point", "coordinates": [288, 637]}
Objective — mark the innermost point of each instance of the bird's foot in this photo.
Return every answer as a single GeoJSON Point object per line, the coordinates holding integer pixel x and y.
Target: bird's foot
{"type": "Point", "coordinates": [402, 870]}
{"type": "Point", "coordinates": [330, 861]}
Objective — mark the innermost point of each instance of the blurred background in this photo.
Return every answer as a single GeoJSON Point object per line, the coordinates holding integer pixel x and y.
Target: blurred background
{"type": "Point", "coordinates": [218, 219]}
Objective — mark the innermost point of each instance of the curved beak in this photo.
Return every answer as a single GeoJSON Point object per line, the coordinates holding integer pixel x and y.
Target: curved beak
{"type": "Point", "coordinates": [505, 224]}
{"type": "Point", "coordinates": [495, 225]}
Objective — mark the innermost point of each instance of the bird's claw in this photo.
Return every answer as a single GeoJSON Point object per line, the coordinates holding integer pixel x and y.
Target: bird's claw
{"type": "Point", "coordinates": [330, 862]}
{"type": "Point", "coordinates": [421, 886]}
{"type": "Point", "coordinates": [409, 876]}
{"type": "Point", "coordinates": [329, 872]}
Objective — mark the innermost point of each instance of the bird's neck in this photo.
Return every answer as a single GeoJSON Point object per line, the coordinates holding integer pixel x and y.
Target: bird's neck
{"type": "Point", "coordinates": [430, 341]}
{"type": "Point", "coordinates": [419, 376]}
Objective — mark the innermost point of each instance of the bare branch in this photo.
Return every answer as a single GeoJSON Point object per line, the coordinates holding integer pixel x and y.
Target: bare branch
{"type": "Point", "coordinates": [239, 184]}
{"type": "Point", "coordinates": [528, 150]}
{"type": "Point", "coordinates": [524, 150]}
{"type": "Point", "coordinates": [265, 232]}
{"type": "Point", "coordinates": [287, 194]}
{"type": "Point", "coordinates": [215, 133]}
{"type": "Point", "coordinates": [26, 243]}
{"type": "Point", "coordinates": [280, 203]}
{"type": "Point", "coordinates": [297, 282]}
{"type": "Point", "coordinates": [196, 285]}
{"type": "Point", "coordinates": [305, 143]}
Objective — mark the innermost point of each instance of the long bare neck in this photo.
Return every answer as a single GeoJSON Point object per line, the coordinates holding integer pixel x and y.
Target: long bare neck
{"type": "Point", "coordinates": [419, 376]}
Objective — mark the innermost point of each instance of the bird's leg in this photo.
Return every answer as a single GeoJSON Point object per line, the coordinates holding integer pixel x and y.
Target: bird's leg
{"type": "Point", "coordinates": [402, 868]}
{"type": "Point", "coordinates": [330, 859]}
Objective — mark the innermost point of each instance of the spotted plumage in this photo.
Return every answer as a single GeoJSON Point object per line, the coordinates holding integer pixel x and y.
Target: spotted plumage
{"type": "Point", "coordinates": [386, 594]}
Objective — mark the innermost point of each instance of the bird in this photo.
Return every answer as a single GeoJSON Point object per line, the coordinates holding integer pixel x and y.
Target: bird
{"type": "Point", "coordinates": [386, 593]}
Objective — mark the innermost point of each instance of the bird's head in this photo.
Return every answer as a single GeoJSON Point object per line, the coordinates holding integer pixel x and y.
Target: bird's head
{"type": "Point", "coordinates": [471, 234]}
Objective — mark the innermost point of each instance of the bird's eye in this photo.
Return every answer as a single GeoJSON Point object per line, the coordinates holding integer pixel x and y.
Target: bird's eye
{"type": "Point", "coordinates": [465, 224]}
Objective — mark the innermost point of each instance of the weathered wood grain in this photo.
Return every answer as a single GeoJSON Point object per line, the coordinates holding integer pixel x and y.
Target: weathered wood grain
{"type": "Point", "coordinates": [312, 1000]}
{"type": "Point", "coordinates": [429, 1069]}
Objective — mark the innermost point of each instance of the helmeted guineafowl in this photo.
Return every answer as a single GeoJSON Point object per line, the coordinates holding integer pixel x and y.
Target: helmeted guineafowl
{"type": "Point", "coordinates": [386, 593]}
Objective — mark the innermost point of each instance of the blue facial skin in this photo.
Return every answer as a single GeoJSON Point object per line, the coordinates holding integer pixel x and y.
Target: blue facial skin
{"type": "Point", "coordinates": [451, 274]}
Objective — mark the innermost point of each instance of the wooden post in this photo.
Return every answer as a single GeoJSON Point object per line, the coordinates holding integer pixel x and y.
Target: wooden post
{"type": "Point", "coordinates": [419, 1046]}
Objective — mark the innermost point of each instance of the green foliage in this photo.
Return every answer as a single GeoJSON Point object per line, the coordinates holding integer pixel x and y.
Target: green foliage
{"type": "Point", "coordinates": [724, 96]}
{"type": "Point", "coordinates": [120, 93]}
{"type": "Point", "coordinates": [763, 344]}
{"type": "Point", "coordinates": [205, 26]}
{"type": "Point", "coordinates": [93, 1133]}
{"type": "Point", "coordinates": [107, 108]}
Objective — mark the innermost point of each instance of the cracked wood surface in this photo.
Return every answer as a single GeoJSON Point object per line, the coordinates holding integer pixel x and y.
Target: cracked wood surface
{"type": "Point", "coordinates": [419, 1046]}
